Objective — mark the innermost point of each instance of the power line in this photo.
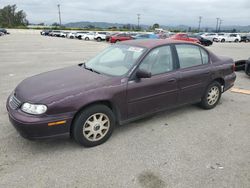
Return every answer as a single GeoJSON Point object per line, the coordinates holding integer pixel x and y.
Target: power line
{"type": "Point", "coordinates": [199, 23]}
{"type": "Point", "coordinates": [217, 24]}
{"type": "Point", "coordinates": [138, 17]}
{"type": "Point", "coordinates": [220, 25]}
{"type": "Point", "coordinates": [59, 14]}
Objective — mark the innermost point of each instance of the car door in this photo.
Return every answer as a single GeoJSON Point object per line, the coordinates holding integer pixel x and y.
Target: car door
{"type": "Point", "coordinates": [195, 72]}
{"type": "Point", "coordinates": [160, 91]}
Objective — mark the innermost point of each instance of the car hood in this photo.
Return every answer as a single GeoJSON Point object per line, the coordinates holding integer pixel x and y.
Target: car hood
{"type": "Point", "coordinates": [59, 83]}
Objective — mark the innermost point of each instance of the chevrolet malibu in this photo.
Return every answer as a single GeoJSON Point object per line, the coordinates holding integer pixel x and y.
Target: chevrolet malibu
{"type": "Point", "coordinates": [125, 82]}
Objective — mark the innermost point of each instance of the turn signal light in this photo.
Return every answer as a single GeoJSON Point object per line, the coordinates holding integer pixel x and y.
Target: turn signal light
{"type": "Point", "coordinates": [57, 123]}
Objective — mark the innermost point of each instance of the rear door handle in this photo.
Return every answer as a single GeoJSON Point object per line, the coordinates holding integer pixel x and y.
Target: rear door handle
{"type": "Point", "coordinates": [171, 80]}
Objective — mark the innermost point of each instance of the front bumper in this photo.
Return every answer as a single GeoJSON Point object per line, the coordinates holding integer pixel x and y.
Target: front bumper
{"type": "Point", "coordinates": [36, 127]}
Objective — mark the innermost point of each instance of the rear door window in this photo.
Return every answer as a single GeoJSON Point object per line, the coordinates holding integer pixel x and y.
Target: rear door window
{"type": "Point", "coordinates": [191, 55]}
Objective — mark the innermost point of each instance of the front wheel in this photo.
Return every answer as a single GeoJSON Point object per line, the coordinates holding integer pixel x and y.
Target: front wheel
{"type": "Point", "coordinates": [93, 126]}
{"type": "Point", "coordinates": [211, 96]}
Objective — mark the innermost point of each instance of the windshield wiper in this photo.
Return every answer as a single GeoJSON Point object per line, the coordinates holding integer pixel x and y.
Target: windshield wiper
{"type": "Point", "coordinates": [90, 69]}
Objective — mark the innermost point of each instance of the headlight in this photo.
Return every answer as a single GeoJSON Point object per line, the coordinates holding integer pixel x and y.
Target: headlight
{"type": "Point", "coordinates": [34, 108]}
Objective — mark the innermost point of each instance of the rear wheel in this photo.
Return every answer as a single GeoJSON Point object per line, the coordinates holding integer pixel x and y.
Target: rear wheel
{"type": "Point", "coordinates": [223, 40]}
{"type": "Point", "coordinates": [93, 126]}
{"type": "Point", "coordinates": [117, 41]}
{"type": "Point", "coordinates": [211, 96]}
{"type": "Point", "coordinates": [99, 39]}
{"type": "Point", "coordinates": [87, 38]}
{"type": "Point", "coordinates": [236, 40]}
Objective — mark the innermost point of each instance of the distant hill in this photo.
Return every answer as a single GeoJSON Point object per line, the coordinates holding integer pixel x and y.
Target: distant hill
{"type": "Point", "coordinates": [87, 24]}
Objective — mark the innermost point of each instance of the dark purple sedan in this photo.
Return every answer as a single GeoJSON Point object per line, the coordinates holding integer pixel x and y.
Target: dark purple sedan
{"type": "Point", "coordinates": [125, 82]}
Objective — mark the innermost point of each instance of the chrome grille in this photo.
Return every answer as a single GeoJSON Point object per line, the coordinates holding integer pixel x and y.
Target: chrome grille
{"type": "Point", "coordinates": [14, 102]}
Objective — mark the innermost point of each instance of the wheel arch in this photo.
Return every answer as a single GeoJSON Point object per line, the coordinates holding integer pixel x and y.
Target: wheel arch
{"type": "Point", "coordinates": [107, 103]}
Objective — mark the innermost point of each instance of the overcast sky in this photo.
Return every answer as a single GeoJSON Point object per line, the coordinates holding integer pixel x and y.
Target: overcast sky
{"type": "Point", "coordinates": [166, 12]}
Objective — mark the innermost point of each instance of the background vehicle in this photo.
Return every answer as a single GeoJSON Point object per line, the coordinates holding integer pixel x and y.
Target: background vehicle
{"type": "Point", "coordinates": [245, 38]}
{"type": "Point", "coordinates": [149, 75]}
{"type": "Point", "coordinates": [88, 36]}
{"type": "Point", "coordinates": [99, 36]}
{"type": "Point", "coordinates": [210, 36]}
{"type": "Point", "coordinates": [146, 36]}
{"type": "Point", "coordinates": [45, 32]}
{"type": "Point", "coordinates": [63, 34]}
{"type": "Point", "coordinates": [80, 34]}
{"type": "Point", "coordinates": [120, 37]}
{"type": "Point", "coordinates": [71, 35]}
{"type": "Point", "coordinates": [55, 33]}
{"type": "Point", "coordinates": [229, 38]}
{"type": "Point", "coordinates": [247, 68]}
{"type": "Point", "coordinates": [4, 31]}
{"type": "Point", "coordinates": [204, 42]}
{"type": "Point", "coordinates": [108, 35]}
{"type": "Point", "coordinates": [184, 37]}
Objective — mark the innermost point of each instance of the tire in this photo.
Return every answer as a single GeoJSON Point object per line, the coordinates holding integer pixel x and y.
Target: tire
{"type": "Point", "coordinates": [247, 40]}
{"type": "Point", "coordinates": [98, 132]}
{"type": "Point", "coordinates": [236, 40]}
{"type": "Point", "coordinates": [71, 37]}
{"type": "Point", "coordinates": [223, 40]}
{"type": "Point", "coordinates": [99, 39]}
{"type": "Point", "coordinates": [87, 38]}
{"type": "Point", "coordinates": [212, 96]}
{"type": "Point", "coordinates": [117, 41]}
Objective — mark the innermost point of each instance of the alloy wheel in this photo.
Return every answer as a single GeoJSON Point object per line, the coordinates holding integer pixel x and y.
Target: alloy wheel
{"type": "Point", "coordinates": [96, 127]}
{"type": "Point", "coordinates": [213, 95]}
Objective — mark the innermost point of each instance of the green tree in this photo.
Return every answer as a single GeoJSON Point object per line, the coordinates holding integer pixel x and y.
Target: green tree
{"type": "Point", "coordinates": [10, 17]}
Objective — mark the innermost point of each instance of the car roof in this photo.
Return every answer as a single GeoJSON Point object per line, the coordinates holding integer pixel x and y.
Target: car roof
{"type": "Point", "coordinates": [152, 43]}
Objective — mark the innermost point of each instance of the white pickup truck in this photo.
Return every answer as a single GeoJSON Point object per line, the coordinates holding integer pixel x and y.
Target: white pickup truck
{"type": "Point", "coordinates": [231, 37]}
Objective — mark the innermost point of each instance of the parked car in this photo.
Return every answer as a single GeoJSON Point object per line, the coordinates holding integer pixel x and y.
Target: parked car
{"type": "Point", "coordinates": [79, 35]}
{"type": "Point", "coordinates": [88, 36]}
{"type": "Point", "coordinates": [245, 38]}
{"type": "Point", "coordinates": [55, 33]}
{"type": "Point", "coordinates": [146, 36]}
{"type": "Point", "coordinates": [45, 32]}
{"type": "Point", "coordinates": [247, 67]}
{"type": "Point", "coordinates": [204, 42]}
{"type": "Point", "coordinates": [125, 82]}
{"type": "Point", "coordinates": [120, 37]}
{"type": "Point", "coordinates": [71, 35]}
{"type": "Point", "coordinates": [99, 36]}
{"type": "Point", "coordinates": [210, 36]}
{"type": "Point", "coordinates": [64, 34]}
{"type": "Point", "coordinates": [229, 38]}
{"type": "Point", "coordinates": [108, 35]}
{"type": "Point", "coordinates": [184, 37]}
{"type": "Point", "coordinates": [4, 31]}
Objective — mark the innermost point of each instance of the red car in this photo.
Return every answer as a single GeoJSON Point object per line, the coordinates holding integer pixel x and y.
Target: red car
{"type": "Point", "coordinates": [184, 37]}
{"type": "Point", "coordinates": [120, 37]}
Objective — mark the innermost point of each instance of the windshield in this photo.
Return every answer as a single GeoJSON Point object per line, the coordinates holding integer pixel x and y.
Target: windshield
{"type": "Point", "coordinates": [116, 60]}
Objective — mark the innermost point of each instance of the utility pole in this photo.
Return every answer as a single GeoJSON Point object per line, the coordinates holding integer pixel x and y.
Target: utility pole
{"type": "Point", "coordinates": [220, 24]}
{"type": "Point", "coordinates": [199, 23]}
{"type": "Point", "coordinates": [217, 23]}
{"type": "Point", "coordinates": [59, 14]}
{"type": "Point", "coordinates": [138, 17]}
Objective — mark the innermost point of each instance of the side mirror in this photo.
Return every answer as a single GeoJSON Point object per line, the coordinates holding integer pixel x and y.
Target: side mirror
{"type": "Point", "coordinates": [143, 74]}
